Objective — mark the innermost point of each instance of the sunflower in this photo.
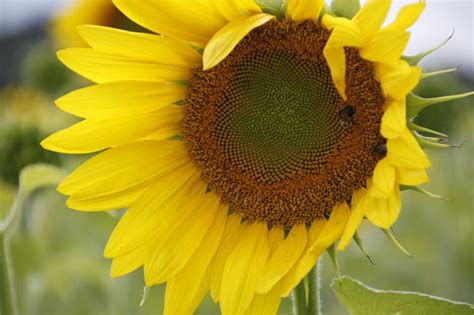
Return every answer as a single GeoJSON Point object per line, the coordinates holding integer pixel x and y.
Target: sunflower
{"type": "Point", "coordinates": [244, 140]}
{"type": "Point", "coordinates": [80, 12]}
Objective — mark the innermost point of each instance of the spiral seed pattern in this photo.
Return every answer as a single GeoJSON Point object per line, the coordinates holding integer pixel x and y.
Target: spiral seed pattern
{"type": "Point", "coordinates": [271, 133]}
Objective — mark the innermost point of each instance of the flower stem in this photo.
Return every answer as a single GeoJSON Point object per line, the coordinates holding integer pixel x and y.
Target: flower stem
{"type": "Point", "coordinates": [306, 298]}
{"type": "Point", "coordinates": [7, 286]}
{"type": "Point", "coordinates": [7, 299]}
{"type": "Point", "coordinates": [299, 299]}
{"type": "Point", "coordinates": [314, 302]}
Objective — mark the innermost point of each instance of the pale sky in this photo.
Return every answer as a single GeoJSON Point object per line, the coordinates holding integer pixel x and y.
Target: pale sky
{"type": "Point", "coordinates": [438, 21]}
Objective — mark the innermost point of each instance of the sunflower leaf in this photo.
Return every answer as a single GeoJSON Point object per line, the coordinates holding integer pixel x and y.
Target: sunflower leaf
{"type": "Point", "coordinates": [360, 299]}
{"type": "Point", "coordinates": [345, 8]}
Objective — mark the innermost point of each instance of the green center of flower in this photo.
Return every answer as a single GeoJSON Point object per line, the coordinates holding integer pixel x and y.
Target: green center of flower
{"type": "Point", "coordinates": [270, 131]}
{"type": "Point", "coordinates": [281, 107]}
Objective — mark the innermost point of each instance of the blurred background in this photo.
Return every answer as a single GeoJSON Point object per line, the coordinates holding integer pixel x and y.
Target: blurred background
{"type": "Point", "coordinates": [57, 252]}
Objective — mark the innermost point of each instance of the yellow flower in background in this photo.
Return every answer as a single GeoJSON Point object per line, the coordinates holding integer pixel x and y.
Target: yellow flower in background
{"type": "Point", "coordinates": [81, 12]}
{"type": "Point", "coordinates": [243, 144]}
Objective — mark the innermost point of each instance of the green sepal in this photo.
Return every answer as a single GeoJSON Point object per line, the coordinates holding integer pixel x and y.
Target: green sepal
{"type": "Point", "coordinates": [415, 60]}
{"type": "Point", "coordinates": [412, 126]}
{"type": "Point", "coordinates": [345, 8]}
{"type": "Point", "coordinates": [415, 103]}
{"type": "Point", "coordinates": [423, 191]}
{"type": "Point", "coordinates": [392, 238]}
{"type": "Point", "coordinates": [332, 253]}
{"type": "Point", "coordinates": [435, 73]}
{"type": "Point", "coordinates": [359, 243]}
{"type": "Point", "coordinates": [434, 142]}
{"type": "Point", "coordinates": [273, 7]}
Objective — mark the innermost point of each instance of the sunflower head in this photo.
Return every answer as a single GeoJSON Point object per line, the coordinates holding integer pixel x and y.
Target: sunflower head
{"type": "Point", "coordinates": [245, 139]}
{"type": "Point", "coordinates": [80, 12]}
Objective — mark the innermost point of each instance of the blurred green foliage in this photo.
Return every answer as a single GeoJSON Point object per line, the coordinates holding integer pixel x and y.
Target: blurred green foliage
{"type": "Point", "coordinates": [20, 147]}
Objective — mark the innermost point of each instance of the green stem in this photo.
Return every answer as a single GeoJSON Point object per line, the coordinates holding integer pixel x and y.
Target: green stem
{"type": "Point", "coordinates": [7, 298]}
{"type": "Point", "coordinates": [7, 286]}
{"type": "Point", "coordinates": [314, 303]}
{"type": "Point", "coordinates": [299, 299]}
{"type": "Point", "coordinates": [306, 298]}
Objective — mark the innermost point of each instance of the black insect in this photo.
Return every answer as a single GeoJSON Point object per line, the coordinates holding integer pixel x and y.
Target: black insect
{"type": "Point", "coordinates": [346, 115]}
{"type": "Point", "coordinates": [381, 149]}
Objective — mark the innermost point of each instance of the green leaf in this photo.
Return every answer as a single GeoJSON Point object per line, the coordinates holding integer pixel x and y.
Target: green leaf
{"type": "Point", "coordinates": [361, 300]}
{"type": "Point", "coordinates": [345, 8]}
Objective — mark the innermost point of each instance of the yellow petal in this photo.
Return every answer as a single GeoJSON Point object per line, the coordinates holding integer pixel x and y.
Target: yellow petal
{"type": "Point", "coordinates": [102, 67]}
{"type": "Point", "coordinates": [300, 10]}
{"type": "Point", "coordinates": [125, 166]}
{"type": "Point", "coordinates": [225, 40]}
{"type": "Point", "coordinates": [355, 218]}
{"type": "Point", "coordinates": [156, 209]}
{"type": "Point", "coordinates": [305, 262]}
{"type": "Point", "coordinates": [124, 264]}
{"type": "Point", "coordinates": [336, 59]}
{"type": "Point", "coordinates": [233, 9]}
{"type": "Point", "coordinates": [108, 100]}
{"type": "Point", "coordinates": [334, 227]}
{"type": "Point", "coordinates": [371, 16]}
{"type": "Point", "coordinates": [140, 46]}
{"type": "Point", "coordinates": [243, 269]}
{"type": "Point", "coordinates": [93, 135]}
{"type": "Point", "coordinates": [90, 200]}
{"type": "Point", "coordinates": [407, 16]}
{"type": "Point", "coordinates": [283, 258]}
{"type": "Point", "coordinates": [233, 232]}
{"type": "Point", "coordinates": [176, 243]}
{"type": "Point", "coordinates": [383, 212]}
{"type": "Point", "coordinates": [189, 20]}
{"type": "Point", "coordinates": [386, 46]}
{"type": "Point", "coordinates": [397, 78]}
{"type": "Point", "coordinates": [276, 236]}
{"type": "Point", "coordinates": [383, 179]}
{"type": "Point", "coordinates": [344, 34]}
{"type": "Point", "coordinates": [405, 152]}
{"type": "Point", "coordinates": [184, 288]}
{"type": "Point", "coordinates": [394, 119]}
{"type": "Point", "coordinates": [411, 177]}
{"type": "Point", "coordinates": [202, 291]}
{"type": "Point", "coordinates": [266, 304]}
